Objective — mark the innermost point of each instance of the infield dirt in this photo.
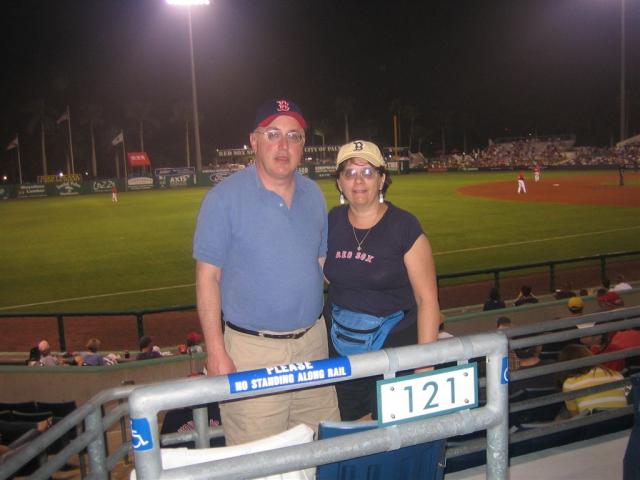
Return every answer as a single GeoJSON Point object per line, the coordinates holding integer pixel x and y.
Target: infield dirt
{"type": "Point", "coordinates": [570, 190]}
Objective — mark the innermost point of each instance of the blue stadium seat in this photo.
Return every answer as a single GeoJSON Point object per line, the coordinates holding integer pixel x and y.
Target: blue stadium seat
{"type": "Point", "coordinates": [423, 461]}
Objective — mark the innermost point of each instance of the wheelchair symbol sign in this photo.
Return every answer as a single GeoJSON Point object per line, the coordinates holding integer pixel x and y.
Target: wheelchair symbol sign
{"type": "Point", "coordinates": [504, 378]}
{"type": "Point", "coordinates": [141, 435]}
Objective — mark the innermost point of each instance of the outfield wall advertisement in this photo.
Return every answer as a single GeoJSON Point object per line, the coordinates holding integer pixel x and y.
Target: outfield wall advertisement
{"type": "Point", "coordinates": [99, 186]}
{"type": "Point", "coordinates": [140, 183]}
{"type": "Point", "coordinates": [65, 189]}
{"type": "Point", "coordinates": [31, 191]}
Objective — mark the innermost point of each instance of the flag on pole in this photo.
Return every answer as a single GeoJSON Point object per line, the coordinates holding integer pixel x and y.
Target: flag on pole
{"type": "Point", "coordinates": [119, 139]}
{"type": "Point", "coordinates": [318, 132]}
{"type": "Point", "coordinates": [63, 117]}
{"type": "Point", "coordinates": [13, 144]}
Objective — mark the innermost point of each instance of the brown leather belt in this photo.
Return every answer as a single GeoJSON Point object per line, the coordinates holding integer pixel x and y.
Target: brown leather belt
{"type": "Point", "coordinates": [278, 336]}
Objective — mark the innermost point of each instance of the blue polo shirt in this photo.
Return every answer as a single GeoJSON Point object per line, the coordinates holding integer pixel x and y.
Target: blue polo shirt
{"type": "Point", "coordinates": [268, 253]}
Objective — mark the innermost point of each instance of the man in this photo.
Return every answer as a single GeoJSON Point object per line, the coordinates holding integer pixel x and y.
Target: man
{"type": "Point", "coordinates": [147, 351]}
{"type": "Point", "coordinates": [46, 358]}
{"type": "Point", "coordinates": [522, 188]}
{"type": "Point", "coordinates": [536, 173]}
{"type": "Point", "coordinates": [609, 300]}
{"type": "Point", "coordinates": [260, 242]}
{"type": "Point", "coordinates": [525, 296]}
{"type": "Point", "coordinates": [564, 292]}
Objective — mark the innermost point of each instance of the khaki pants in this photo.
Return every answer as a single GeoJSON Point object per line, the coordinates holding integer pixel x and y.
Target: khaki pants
{"type": "Point", "coordinates": [254, 418]}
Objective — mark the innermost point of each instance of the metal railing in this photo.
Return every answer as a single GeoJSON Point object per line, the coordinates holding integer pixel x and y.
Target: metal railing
{"type": "Point", "coordinates": [147, 401]}
{"type": "Point", "coordinates": [496, 272]}
{"type": "Point", "coordinates": [106, 409]}
{"type": "Point", "coordinates": [553, 331]}
{"type": "Point", "coordinates": [550, 265]}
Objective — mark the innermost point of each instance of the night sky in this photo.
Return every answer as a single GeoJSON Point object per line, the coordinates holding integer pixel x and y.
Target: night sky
{"type": "Point", "coordinates": [483, 69]}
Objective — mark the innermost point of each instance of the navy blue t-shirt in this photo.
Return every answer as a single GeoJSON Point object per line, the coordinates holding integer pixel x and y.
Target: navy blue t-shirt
{"type": "Point", "coordinates": [374, 280]}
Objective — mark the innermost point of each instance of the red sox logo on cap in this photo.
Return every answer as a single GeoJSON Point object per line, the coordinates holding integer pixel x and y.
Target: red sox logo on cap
{"type": "Point", "coordinates": [283, 105]}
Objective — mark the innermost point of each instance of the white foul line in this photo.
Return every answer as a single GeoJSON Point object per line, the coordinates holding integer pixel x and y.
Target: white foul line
{"type": "Point", "coordinates": [462, 250]}
{"type": "Point", "coordinates": [103, 295]}
{"type": "Point", "coordinates": [539, 240]}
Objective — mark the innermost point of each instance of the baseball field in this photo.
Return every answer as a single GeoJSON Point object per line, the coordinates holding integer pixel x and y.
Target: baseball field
{"type": "Point", "coordinates": [84, 253]}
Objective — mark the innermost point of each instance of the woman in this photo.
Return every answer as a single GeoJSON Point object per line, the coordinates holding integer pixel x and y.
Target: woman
{"type": "Point", "coordinates": [382, 284]}
{"type": "Point", "coordinates": [494, 302]}
{"type": "Point", "coordinates": [590, 376]}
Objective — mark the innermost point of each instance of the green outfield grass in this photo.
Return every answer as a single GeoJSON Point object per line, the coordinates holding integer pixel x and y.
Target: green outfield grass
{"type": "Point", "coordinates": [85, 254]}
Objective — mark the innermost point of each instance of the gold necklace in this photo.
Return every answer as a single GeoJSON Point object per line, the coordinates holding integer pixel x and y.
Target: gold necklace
{"type": "Point", "coordinates": [353, 229]}
{"type": "Point", "coordinates": [360, 242]}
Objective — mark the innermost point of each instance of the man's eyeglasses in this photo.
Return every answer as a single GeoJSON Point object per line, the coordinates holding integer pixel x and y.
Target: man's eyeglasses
{"type": "Point", "coordinates": [351, 173]}
{"type": "Point", "coordinates": [275, 135]}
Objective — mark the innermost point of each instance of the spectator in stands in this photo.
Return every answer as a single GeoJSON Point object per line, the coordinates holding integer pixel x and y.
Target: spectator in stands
{"type": "Point", "coordinates": [530, 357]}
{"type": "Point", "coordinates": [525, 296]}
{"type": "Point", "coordinates": [34, 357]}
{"type": "Point", "coordinates": [621, 285]}
{"type": "Point", "coordinates": [146, 349]}
{"type": "Point", "coordinates": [494, 302]}
{"type": "Point", "coordinates": [575, 305]}
{"type": "Point", "coordinates": [614, 342]}
{"type": "Point", "coordinates": [442, 333]}
{"type": "Point", "coordinates": [20, 435]}
{"type": "Point", "coordinates": [609, 300]}
{"type": "Point", "coordinates": [503, 323]}
{"type": "Point", "coordinates": [46, 358]}
{"type": "Point", "coordinates": [584, 292]}
{"type": "Point", "coordinates": [194, 339]}
{"type": "Point", "coordinates": [564, 292]}
{"type": "Point", "coordinates": [91, 356]}
{"type": "Point", "coordinates": [589, 376]}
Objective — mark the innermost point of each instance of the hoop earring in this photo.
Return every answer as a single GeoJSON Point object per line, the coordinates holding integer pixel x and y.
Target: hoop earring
{"type": "Point", "coordinates": [342, 202]}
{"type": "Point", "coordinates": [381, 197]}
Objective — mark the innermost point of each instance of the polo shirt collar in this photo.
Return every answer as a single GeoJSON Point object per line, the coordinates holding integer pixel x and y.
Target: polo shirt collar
{"type": "Point", "coordinates": [298, 177]}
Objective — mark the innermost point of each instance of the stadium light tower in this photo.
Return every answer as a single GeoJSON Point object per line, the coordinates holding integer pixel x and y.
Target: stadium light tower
{"type": "Point", "coordinates": [623, 92]}
{"type": "Point", "coordinates": [194, 92]}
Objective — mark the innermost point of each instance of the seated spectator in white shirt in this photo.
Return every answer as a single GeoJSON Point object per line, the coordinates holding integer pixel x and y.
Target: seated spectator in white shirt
{"type": "Point", "coordinates": [621, 285]}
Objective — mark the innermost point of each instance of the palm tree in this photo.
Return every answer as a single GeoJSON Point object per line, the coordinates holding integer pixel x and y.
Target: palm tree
{"type": "Point", "coordinates": [395, 108]}
{"type": "Point", "coordinates": [141, 113]}
{"type": "Point", "coordinates": [90, 114]}
{"type": "Point", "coordinates": [183, 113]}
{"type": "Point", "coordinates": [345, 108]}
{"type": "Point", "coordinates": [41, 116]}
{"type": "Point", "coordinates": [410, 113]}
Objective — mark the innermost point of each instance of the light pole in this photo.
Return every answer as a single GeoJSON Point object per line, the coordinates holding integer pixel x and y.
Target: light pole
{"type": "Point", "coordinates": [194, 92]}
{"type": "Point", "coordinates": [623, 89]}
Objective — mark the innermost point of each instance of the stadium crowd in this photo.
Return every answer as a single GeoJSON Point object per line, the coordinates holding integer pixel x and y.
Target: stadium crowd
{"type": "Point", "coordinates": [530, 152]}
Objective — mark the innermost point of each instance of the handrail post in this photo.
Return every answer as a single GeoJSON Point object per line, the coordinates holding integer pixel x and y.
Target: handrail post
{"type": "Point", "coordinates": [496, 278]}
{"type": "Point", "coordinates": [498, 398]}
{"type": "Point", "coordinates": [603, 267]}
{"type": "Point", "coordinates": [97, 449]}
{"type": "Point", "coordinates": [61, 339]}
{"type": "Point", "coordinates": [201, 423]}
{"type": "Point", "coordinates": [552, 277]}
